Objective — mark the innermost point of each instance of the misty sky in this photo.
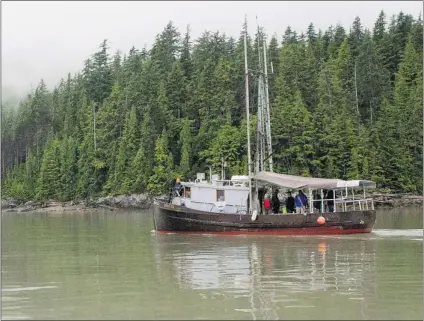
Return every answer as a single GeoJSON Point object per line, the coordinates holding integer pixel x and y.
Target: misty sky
{"type": "Point", "coordinates": [49, 39]}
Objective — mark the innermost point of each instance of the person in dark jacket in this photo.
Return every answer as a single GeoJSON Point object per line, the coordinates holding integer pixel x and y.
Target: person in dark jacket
{"type": "Point", "coordinates": [290, 206]}
{"type": "Point", "coordinates": [330, 200]}
{"type": "Point", "coordinates": [261, 196]}
{"type": "Point", "coordinates": [275, 202]}
{"type": "Point", "coordinates": [317, 201]}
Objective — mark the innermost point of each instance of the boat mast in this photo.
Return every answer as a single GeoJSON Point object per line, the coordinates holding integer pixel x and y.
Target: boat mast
{"type": "Point", "coordinates": [246, 72]}
{"type": "Point", "coordinates": [263, 130]}
{"type": "Point", "coordinates": [261, 98]}
{"type": "Point", "coordinates": [267, 114]}
{"type": "Point", "coordinates": [259, 156]}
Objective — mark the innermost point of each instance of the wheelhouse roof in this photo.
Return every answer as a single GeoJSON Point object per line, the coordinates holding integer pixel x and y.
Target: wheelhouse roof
{"type": "Point", "coordinates": [298, 182]}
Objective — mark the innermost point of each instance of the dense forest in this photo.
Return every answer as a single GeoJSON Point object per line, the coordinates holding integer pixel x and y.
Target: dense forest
{"type": "Point", "coordinates": [344, 103]}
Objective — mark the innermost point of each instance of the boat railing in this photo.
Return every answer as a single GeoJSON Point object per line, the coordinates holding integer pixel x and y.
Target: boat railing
{"type": "Point", "coordinates": [344, 204]}
{"type": "Point", "coordinates": [227, 182]}
{"type": "Point", "coordinates": [355, 204]}
{"type": "Point", "coordinates": [219, 183]}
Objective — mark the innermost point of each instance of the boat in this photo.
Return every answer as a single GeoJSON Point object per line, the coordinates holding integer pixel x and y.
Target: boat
{"type": "Point", "coordinates": [235, 206]}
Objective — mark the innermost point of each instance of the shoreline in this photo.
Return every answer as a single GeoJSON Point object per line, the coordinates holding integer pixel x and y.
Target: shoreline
{"type": "Point", "coordinates": [144, 201]}
{"type": "Point", "coordinates": [111, 203]}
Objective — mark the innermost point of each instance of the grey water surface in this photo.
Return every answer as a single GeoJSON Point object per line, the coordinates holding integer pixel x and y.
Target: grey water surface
{"type": "Point", "coordinates": [112, 265]}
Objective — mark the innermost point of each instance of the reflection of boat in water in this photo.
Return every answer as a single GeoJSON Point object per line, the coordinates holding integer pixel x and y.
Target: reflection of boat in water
{"type": "Point", "coordinates": [235, 206]}
{"type": "Point", "coordinates": [315, 277]}
{"type": "Point", "coordinates": [203, 270]}
{"type": "Point", "coordinates": [268, 275]}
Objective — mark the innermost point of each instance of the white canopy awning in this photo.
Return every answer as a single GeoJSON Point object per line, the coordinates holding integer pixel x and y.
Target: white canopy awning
{"type": "Point", "coordinates": [357, 183]}
{"type": "Point", "coordinates": [298, 182]}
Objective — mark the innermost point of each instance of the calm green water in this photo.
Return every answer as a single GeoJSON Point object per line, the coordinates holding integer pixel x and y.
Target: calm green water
{"type": "Point", "coordinates": [111, 265]}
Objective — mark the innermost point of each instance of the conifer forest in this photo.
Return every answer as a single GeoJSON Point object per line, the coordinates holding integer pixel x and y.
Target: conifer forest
{"type": "Point", "coordinates": [346, 102]}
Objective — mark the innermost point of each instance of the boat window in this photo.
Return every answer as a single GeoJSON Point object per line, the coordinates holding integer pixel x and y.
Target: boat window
{"type": "Point", "coordinates": [220, 197]}
{"type": "Point", "coordinates": [187, 192]}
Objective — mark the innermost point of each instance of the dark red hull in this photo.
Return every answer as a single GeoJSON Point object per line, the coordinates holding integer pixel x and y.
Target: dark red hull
{"type": "Point", "coordinates": [173, 218]}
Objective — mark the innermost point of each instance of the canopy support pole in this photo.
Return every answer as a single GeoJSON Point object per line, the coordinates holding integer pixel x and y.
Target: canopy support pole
{"type": "Point", "coordinates": [311, 210]}
{"type": "Point", "coordinates": [365, 197]}
{"type": "Point", "coordinates": [345, 205]}
{"type": "Point", "coordinates": [334, 201]}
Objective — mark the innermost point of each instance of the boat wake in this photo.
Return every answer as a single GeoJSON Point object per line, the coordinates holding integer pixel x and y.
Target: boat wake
{"type": "Point", "coordinates": [399, 233]}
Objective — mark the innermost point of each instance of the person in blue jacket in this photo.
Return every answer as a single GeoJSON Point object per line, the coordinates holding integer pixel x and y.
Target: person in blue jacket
{"type": "Point", "coordinates": [301, 202]}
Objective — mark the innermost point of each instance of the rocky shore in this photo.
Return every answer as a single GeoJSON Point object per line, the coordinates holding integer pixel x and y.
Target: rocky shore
{"type": "Point", "coordinates": [144, 201]}
{"type": "Point", "coordinates": [134, 201]}
{"type": "Point", "coordinates": [396, 200]}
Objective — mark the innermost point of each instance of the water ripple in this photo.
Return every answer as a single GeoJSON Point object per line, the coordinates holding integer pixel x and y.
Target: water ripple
{"type": "Point", "coordinates": [30, 288]}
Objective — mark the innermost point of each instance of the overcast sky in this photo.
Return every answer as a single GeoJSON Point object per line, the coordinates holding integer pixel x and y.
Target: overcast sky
{"type": "Point", "coordinates": [48, 39]}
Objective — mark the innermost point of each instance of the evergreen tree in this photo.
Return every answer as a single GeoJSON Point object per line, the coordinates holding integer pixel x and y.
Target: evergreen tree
{"type": "Point", "coordinates": [166, 49]}
{"type": "Point", "coordinates": [372, 80]}
{"type": "Point", "coordinates": [48, 183]}
{"type": "Point", "coordinates": [408, 100]}
{"type": "Point", "coordinates": [379, 32]}
{"type": "Point", "coordinates": [290, 36]}
{"type": "Point", "coordinates": [293, 139]}
{"type": "Point", "coordinates": [144, 160]}
{"type": "Point", "coordinates": [86, 182]}
{"type": "Point", "coordinates": [32, 169]}
{"type": "Point", "coordinates": [68, 169]}
{"type": "Point", "coordinates": [398, 31]}
{"type": "Point", "coordinates": [98, 75]}
{"type": "Point", "coordinates": [223, 97]}
{"type": "Point", "coordinates": [274, 61]}
{"type": "Point", "coordinates": [109, 126]}
{"type": "Point", "coordinates": [176, 92]}
{"type": "Point", "coordinates": [162, 171]}
{"type": "Point", "coordinates": [225, 147]}
{"type": "Point", "coordinates": [356, 36]}
{"type": "Point", "coordinates": [185, 58]}
{"type": "Point", "coordinates": [128, 148]}
{"type": "Point", "coordinates": [185, 146]}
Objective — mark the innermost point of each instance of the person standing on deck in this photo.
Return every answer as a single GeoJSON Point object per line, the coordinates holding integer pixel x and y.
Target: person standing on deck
{"type": "Point", "coordinates": [267, 203]}
{"type": "Point", "coordinates": [317, 201]}
{"type": "Point", "coordinates": [330, 200]}
{"type": "Point", "coordinates": [275, 202]}
{"type": "Point", "coordinates": [301, 202]}
{"type": "Point", "coordinates": [261, 195]}
{"type": "Point", "coordinates": [178, 187]}
{"type": "Point", "coordinates": [290, 204]}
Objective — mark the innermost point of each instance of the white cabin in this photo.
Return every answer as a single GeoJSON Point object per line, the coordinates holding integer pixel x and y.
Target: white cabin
{"type": "Point", "coordinates": [216, 196]}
